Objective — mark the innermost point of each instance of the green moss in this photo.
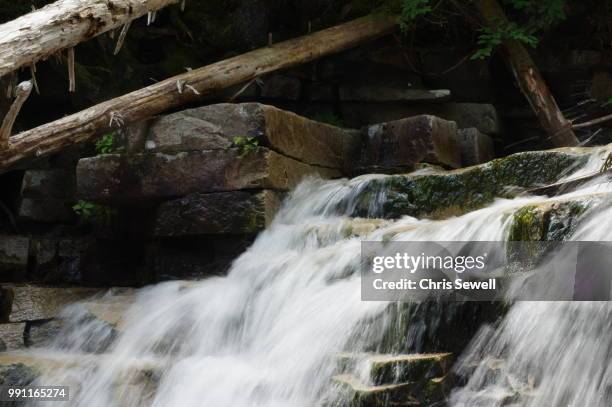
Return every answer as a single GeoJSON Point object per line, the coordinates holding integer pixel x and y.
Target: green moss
{"type": "Point", "coordinates": [528, 224]}
{"type": "Point", "coordinates": [454, 193]}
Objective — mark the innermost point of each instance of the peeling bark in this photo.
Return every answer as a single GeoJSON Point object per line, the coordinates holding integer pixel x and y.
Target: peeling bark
{"type": "Point", "coordinates": [530, 81]}
{"type": "Point", "coordinates": [64, 24]}
{"type": "Point", "coordinates": [185, 88]}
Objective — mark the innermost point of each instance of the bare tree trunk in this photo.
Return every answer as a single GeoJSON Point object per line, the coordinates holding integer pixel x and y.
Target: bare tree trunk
{"type": "Point", "coordinates": [185, 88]}
{"type": "Point", "coordinates": [530, 81]}
{"type": "Point", "coordinates": [64, 24]}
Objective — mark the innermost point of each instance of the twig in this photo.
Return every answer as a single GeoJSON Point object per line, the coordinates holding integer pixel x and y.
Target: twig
{"type": "Point", "coordinates": [34, 81]}
{"type": "Point", "coordinates": [183, 5]}
{"type": "Point", "coordinates": [22, 93]}
{"type": "Point", "coordinates": [71, 74]}
{"type": "Point", "coordinates": [122, 36]}
{"type": "Point", "coordinates": [592, 122]}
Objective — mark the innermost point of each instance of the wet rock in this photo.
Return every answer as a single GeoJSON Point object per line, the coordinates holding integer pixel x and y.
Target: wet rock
{"type": "Point", "coordinates": [42, 333]}
{"type": "Point", "coordinates": [551, 220]}
{"type": "Point", "coordinates": [121, 179]}
{"type": "Point", "coordinates": [217, 127]}
{"type": "Point", "coordinates": [403, 143]}
{"type": "Point", "coordinates": [389, 369]}
{"type": "Point", "coordinates": [476, 148]}
{"type": "Point", "coordinates": [14, 252]}
{"type": "Point", "coordinates": [12, 335]}
{"type": "Point", "coordinates": [442, 194]}
{"type": "Point", "coordinates": [368, 93]}
{"type": "Point", "coordinates": [46, 210]}
{"type": "Point", "coordinates": [31, 303]}
{"type": "Point", "coordinates": [16, 374]}
{"type": "Point", "coordinates": [236, 212]}
{"type": "Point", "coordinates": [281, 87]}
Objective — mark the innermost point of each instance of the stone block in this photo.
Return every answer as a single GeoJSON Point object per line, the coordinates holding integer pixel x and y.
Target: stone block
{"type": "Point", "coordinates": [388, 93]}
{"type": "Point", "coordinates": [44, 184]}
{"type": "Point", "coordinates": [46, 210]}
{"type": "Point", "coordinates": [236, 212]}
{"type": "Point", "coordinates": [14, 252]}
{"type": "Point", "coordinates": [403, 143]}
{"type": "Point", "coordinates": [216, 127]}
{"type": "Point", "coordinates": [482, 116]}
{"type": "Point", "coordinates": [476, 148]}
{"type": "Point", "coordinates": [121, 179]}
{"type": "Point", "coordinates": [12, 335]}
{"type": "Point", "coordinates": [32, 303]}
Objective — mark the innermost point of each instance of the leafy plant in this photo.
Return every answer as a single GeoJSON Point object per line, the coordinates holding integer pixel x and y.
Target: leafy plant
{"type": "Point", "coordinates": [90, 212]}
{"type": "Point", "coordinates": [490, 38]}
{"type": "Point", "coordinates": [107, 144]}
{"type": "Point", "coordinates": [84, 209]}
{"type": "Point", "coordinates": [246, 145]}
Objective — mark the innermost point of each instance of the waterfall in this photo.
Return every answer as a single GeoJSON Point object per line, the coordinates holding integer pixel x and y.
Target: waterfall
{"type": "Point", "coordinates": [267, 333]}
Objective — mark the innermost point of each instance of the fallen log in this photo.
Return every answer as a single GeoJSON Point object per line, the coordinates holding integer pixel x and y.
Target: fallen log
{"type": "Point", "coordinates": [64, 24]}
{"type": "Point", "coordinates": [182, 89]}
{"type": "Point", "coordinates": [530, 80]}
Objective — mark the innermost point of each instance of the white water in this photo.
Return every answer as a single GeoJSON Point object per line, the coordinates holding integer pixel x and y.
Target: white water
{"type": "Point", "coordinates": [265, 335]}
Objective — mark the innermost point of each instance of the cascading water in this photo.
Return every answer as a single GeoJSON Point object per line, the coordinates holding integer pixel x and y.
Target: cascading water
{"type": "Point", "coordinates": [266, 334]}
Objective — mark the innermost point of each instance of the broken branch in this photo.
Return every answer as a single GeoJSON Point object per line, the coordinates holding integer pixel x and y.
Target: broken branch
{"type": "Point", "coordinates": [22, 93]}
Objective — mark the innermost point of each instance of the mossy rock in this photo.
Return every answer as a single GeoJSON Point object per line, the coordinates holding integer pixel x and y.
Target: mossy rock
{"type": "Point", "coordinates": [550, 220]}
{"type": "Point", "coordinates": [453, 193]}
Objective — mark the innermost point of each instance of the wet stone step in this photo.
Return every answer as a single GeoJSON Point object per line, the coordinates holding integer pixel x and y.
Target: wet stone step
{"type": "Point", "coordinates": [352, 392]}
{"type": "Point", "coordinates": [388, 369]}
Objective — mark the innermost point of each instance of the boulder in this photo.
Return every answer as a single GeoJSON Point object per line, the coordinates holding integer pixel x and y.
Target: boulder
{"type": "Point", "coordinates": [125, 179]}
{"type": "Point", "coordinates": [476, 148]}
{"type": "Point", "coordinates": [218, 126]}
{"type": "Point", "coordinates": [12, 335]}
{"type": "Point", "coordinates": [14, 251]}
{"type": "Point", "coordinates": [440, 194]}
{"type": "Point", "coordinates": [42, 333]}
{"type": "Point", "coordinates": [368, 93]}
{"type": "Point", "coordinates": [32, 303]}
{"type": "Point", "coordinates": [236, 212]}
{"type": "Point", "coordinates": [403, 143]}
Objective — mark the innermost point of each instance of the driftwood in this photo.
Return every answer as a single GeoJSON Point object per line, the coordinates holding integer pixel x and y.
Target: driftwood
{"type": "Point", "coordinates": [63, 25]}
{"type": "Point", "coordinates": [530, 81]}
{"type": "Point", "coordinates": [182, 89]}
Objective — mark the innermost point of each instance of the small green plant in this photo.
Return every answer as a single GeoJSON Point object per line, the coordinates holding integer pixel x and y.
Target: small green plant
{"type": "Point", "coordinates": [90, 212]}
{"type": "Point", "coordinates": [246, 145]}
{"type": "Point", "coordinates": [107, 144]}
{"type": "Point", "coordinates": [84, 209]}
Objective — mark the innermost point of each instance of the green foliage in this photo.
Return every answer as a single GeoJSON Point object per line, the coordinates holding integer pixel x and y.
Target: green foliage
{"type": "Point", "coordinates": [533, 16]}
{"type": "Point", "coordinates": [107, 144]}
{"type": "Point", "coordinates": [411, 10]}
{"type": "Point", "coordinates": [246, 145]}
{"type": "Point", "coordinates": [84, 209]}
{"type": "Point", "coordinates": [90, 212]}
{"type": "Point", "coordinates": [490, 38]}
{"type": "Point", "coordinates": [329, 118]}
